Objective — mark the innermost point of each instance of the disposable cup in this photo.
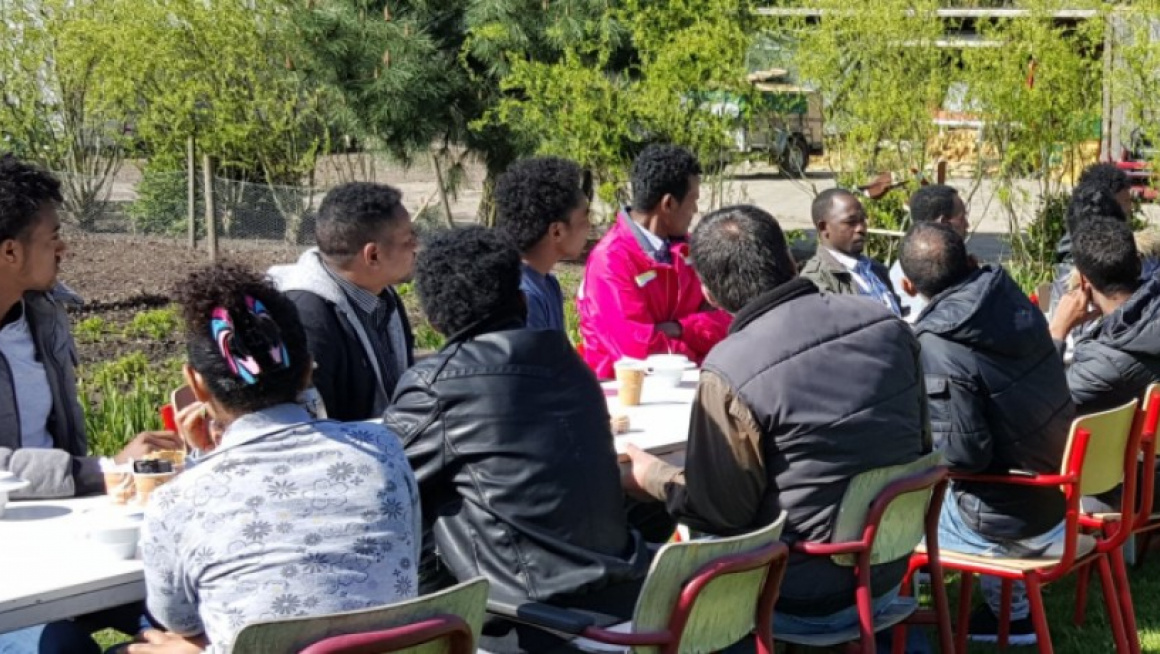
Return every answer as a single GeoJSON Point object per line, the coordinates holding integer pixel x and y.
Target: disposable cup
{"type": "Point", "coordinates": [630, 374]}
{"type": "Point", "coordinates": [146, 483]}
{"type": "Point", "coordinates": [119, 486]}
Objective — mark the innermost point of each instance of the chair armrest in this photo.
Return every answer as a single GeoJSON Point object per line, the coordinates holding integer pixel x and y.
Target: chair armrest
{"type": "Point", "coordinates": [1017, 478]}
{"type": "Point", "coordinates": [827, 549]}
{"type": "Point", "coordinates": [538, 614]}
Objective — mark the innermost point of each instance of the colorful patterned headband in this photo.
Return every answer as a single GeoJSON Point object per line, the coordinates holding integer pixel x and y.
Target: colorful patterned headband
{"type": "Point", "coordinates": [241, 362]}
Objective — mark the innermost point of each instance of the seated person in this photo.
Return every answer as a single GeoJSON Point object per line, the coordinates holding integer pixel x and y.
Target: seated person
{"type": "Point", "coordinates": [1119, 357]}
{"type": "Point", "coordinates": [998, 402]}
{"type": "Point", "coordinates": [640, 295]}
{"type": "Point", "coordinates": [541, 205]}
{"type": "Point", "coordinates": [508, 433]}
{"type": "Point", "coordinates": [839, 266]}
{"type": "Point", "coordinates": [42, 427]}
{"type": "Point", "coordinates": [43, 435]}
{"type": "Point", "coordinates": [355, 322]}
{"type": "Point", "coordinates": [782, 421]}
{"type": "Point", "coordinates": [937, 203]}
{"type": "Point", "coordinates": [1102, 190]}
{"type": "Point", "coordinates": [280, 515]}
{"type": "Point", "coordinates": [1101, 187]}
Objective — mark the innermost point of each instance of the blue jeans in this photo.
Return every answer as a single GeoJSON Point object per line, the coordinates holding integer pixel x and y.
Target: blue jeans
{"type": "Point", "coordinates": [785, 623]}
{"type": "Point", "coordinates": [63, 637]}
{"type": "Point", "coordinates": [956, 536]}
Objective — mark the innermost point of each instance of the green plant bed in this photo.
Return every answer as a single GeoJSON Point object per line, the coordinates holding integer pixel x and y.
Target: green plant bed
{"type": "Point", "coordinates": [121, 398]}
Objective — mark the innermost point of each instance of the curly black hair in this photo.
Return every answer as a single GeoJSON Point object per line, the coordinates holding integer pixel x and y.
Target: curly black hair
{"type": "Point", "coordinates": [24, 190]}
{"type": "Point", "coordinates": [662, 170]}
{"type": "Point", "coordinates": [533, 194]}
{"type": "Point", "coordinates": [353, 215]}
{"type": "Point", "coordinates": [467, 276]}
{"type": "Point", "coordinates": [1105, 253]}
{"type": "Point", "coordinates": [1092, 201]}
{"type": "Point", "coordinates": [931, 203]}
{"type": "Point", "coordinates": [1104, 176]}
{"type": "Point", "coordinates": [228, 286]}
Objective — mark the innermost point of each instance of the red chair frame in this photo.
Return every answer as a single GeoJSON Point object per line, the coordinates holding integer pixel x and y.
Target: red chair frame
{"type": "Point", "coordinates": [936, 479]}
{"type": "Point", "coordinates": [1035, 579]}
{"type": "Point", "coordinates": [774, 555]}
{"type": "Point", "coordinates": [1107, 529]}
{"type": "Point", "coordinates": [450, 627]}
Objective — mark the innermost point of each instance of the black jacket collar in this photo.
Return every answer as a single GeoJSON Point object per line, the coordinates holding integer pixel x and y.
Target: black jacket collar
{"type": "Point", "coordinates": [765, 302]}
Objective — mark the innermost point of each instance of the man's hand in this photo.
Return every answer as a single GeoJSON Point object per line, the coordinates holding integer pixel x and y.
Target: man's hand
{"type": "Point", "coordinates": [163, 642]}
{"type": "Point", "coordinates": [146, 442]}
{"type": "Point", "coordinates": [670, 329]}
{"type": "Point", "coordinates": [636, 470]}
{"type": "Point", "coordinates": [1072, 311]}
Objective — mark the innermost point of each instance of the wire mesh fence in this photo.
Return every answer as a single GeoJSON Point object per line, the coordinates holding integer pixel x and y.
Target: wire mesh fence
{"type": "Point", "coordinates": [159, 204]}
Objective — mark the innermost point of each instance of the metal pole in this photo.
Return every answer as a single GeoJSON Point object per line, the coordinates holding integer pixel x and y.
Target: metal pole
{"type": "Point", "coordinates": [210, 219]}
{"type": "Point", "coordinates": [191, 189]}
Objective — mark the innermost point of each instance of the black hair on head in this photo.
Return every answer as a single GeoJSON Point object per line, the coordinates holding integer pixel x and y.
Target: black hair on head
{"type": "Point", "coordinates": [662, 170]}
{"type": "Point", "coordinates": [468, 276]}
{"type": "Point", "coordinates": [1104, 176]}
{"type": "Point", "coordinates": [24, 190]}
{"type": "Point", "coordinates": [931, 203]}
{"type": "Point", "coordinates": [533, 194]}
{"type": "Point", "coordinates": [1105, 253]}
{"type": "Point", "coordinates": [353, 215]}
{"type": "Point", "coordinates": [740, 253]}
{"type": "Point", "coordinates": [933, 257]}
{"type": "Point", "coordinates": [824, 203]}
{"type": "Point", "coordinates": [254, 333]}
{"type": "Point", "coordinates": [1092, 202]}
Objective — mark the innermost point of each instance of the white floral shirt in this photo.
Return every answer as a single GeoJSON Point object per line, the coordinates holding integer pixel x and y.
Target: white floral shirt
{"type": "Point", "coordinates": [288, 517]}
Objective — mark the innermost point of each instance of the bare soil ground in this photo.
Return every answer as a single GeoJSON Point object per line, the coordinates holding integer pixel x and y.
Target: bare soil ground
{"type": "Point", "coordinates": [120, 275]}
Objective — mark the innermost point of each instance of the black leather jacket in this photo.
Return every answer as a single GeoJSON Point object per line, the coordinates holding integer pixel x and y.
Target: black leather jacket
{"type": "Point", "coordinates": [508, 434]}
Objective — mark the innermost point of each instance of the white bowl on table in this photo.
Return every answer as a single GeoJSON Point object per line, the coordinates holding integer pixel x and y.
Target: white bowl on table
{"type": "Point", "coordinates": [666, 370]}
{"type": "Point", "coordinates": [9, 482]}
{"type": "Point", "coordinates": [116, 530]}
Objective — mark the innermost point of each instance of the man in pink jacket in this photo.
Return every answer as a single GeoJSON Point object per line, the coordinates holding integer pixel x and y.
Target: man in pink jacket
{"type": "Point", "coordinates": [640, 294]}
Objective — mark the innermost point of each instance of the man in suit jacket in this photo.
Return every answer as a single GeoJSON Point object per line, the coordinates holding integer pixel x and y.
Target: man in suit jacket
{"type": "Point", "coordinates": [839, 265]}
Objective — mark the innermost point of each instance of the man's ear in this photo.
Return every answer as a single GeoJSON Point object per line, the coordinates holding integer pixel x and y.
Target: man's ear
{"type": "Point", "coordinates": [1083, 284]}
{"type": "Point", "coordinates": [709, 297]}
{"type": "Point", "coordinates": [908, 287]}
{"type": "Point", "coordinates": [370, 253]}
{"type": "Point", "coordinates": [10, 250]}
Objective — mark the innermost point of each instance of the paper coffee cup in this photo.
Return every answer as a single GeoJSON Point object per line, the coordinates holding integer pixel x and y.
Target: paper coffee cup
{"type": "Point", "coordinates": [146, 483]}
{"type": "Point", "coordinates": [119, 486]}
{"type": "Point", "coordinates": [630, 375]}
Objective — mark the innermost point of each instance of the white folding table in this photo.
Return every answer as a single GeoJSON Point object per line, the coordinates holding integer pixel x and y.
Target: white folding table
{"type": "Point", "coordinates": [660, 424]}
{"type": "Point", "coordinates": [48, 569]}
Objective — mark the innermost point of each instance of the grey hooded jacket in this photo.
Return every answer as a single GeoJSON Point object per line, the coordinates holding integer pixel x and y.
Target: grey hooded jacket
{"type": "Point", "coordinates": [65, 470]}
{"type": "Point", "coordinates": [347, 372]}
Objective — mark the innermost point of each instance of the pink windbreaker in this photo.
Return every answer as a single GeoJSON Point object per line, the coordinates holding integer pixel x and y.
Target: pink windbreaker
{"type": "Point", "coordinates": [626, 293]}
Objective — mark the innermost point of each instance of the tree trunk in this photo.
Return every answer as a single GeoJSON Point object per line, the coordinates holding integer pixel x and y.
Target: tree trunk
{"type": "Point", "coordinates": [486, 213]}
